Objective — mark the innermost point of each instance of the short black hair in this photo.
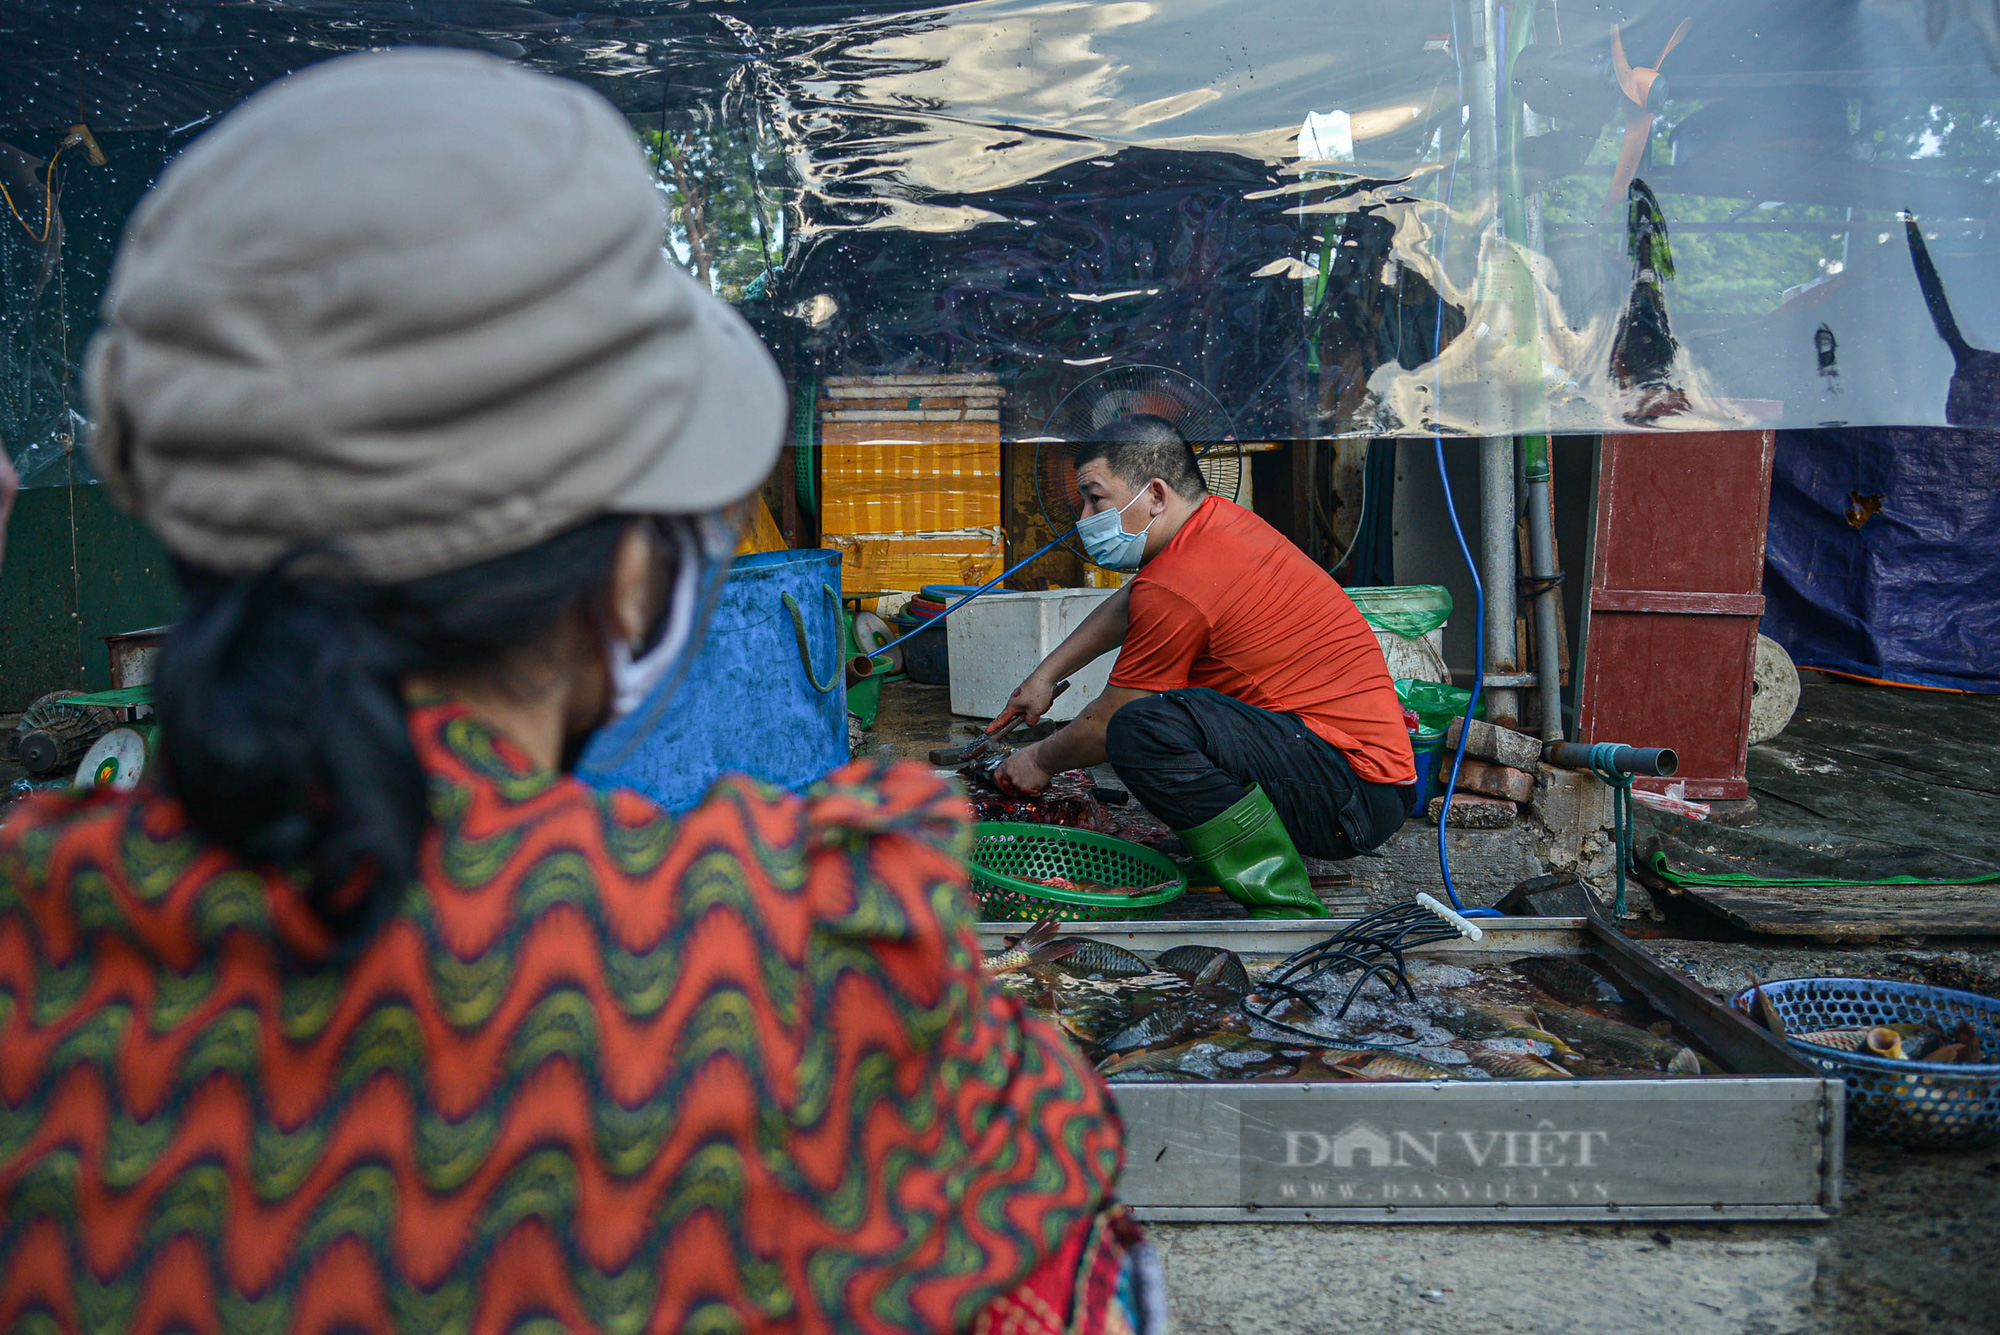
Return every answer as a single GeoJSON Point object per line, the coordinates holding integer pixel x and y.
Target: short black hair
{"type": "Point", "coordinates": [1142, 447]}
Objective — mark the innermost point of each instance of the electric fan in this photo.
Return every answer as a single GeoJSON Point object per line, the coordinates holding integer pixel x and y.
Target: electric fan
{"type": "Point", "coordinates": [1128, 391]}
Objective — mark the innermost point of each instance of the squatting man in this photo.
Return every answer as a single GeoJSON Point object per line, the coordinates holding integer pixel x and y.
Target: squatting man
{"type": "Point", "coordinates": [1250, 707]}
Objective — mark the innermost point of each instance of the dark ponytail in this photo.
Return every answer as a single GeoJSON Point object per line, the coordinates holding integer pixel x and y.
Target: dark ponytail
{"type": "Point", "coordinates": [281, 713]}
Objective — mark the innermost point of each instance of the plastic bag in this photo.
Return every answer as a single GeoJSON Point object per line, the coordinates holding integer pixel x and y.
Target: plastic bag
{"type": "Point", "coordinates": [1434, 703]}
{"type": "Point", "coordinates": [1408, 610]}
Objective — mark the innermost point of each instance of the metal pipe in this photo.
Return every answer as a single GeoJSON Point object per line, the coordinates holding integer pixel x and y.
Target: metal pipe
{"type": "Point", "coordinates": [1542, 569]}
{"type": "Point", "coordinates": [1484, 71]}
{"type": "Point", "coordinates": [1497, 566]}
{"type": "Point", "coordinates": [1657, 762]}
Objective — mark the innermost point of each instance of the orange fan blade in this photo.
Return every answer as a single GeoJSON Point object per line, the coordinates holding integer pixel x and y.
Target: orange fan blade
{"type": "Point", "coordinates": [1627, 77]}
{"type": "Point", "coordinates": [1638, 125]}
{"type": "Point", "coordinates": [1637, 83]}
{"type": "Point", "coordinates": [1673, 42]}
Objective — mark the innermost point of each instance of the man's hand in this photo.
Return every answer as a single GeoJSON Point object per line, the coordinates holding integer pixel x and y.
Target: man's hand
{"type": "Point", "coordinates": [1021, 774]}
{"type": "Point", "coordinates": [1030, 700]}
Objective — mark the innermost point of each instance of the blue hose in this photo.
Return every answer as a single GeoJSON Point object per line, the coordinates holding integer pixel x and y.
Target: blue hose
{"type": "Point", "coordinates": [1478, 680]}
{"type": "Point", "coordinates": [989, 584]}
{"type": "Point", "coordinates": [1451, 509]}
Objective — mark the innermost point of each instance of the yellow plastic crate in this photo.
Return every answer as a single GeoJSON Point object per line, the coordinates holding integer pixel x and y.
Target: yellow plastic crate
{"type": "Point", "coordinates": [909, 454]}
{"type": "Point", "coordinates": [911, 560]}
{"type": "Point", "coordinates": [935, 483]}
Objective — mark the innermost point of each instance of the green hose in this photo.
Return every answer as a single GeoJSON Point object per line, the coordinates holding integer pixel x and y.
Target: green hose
{"type": "Point", "coordinates": [1656, 862]}
{"type": "Point", "coordinates": [1621, 811]}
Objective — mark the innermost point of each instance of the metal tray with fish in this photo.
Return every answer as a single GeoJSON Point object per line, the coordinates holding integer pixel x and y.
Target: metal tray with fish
{"type": "Point", "coordinates": [1547, 1071]}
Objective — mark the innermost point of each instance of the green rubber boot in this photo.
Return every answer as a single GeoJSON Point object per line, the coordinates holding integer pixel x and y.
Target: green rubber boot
{"type": "Point", "coordinates": [1250, 854]}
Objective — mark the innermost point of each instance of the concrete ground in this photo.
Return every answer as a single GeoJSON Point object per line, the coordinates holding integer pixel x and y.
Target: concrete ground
{"type": "Point", "coordinates": [1915, 1249]}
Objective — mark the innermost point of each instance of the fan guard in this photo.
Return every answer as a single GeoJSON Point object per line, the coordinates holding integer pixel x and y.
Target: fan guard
{"type": "Point", "coordinates": [1127, 391]}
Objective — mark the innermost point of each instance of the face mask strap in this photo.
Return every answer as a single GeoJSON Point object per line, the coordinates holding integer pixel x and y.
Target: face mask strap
{"type": "Point", "coordinates": [705, 545]}
{"type": "Point", "coordinates": [1146, 490]}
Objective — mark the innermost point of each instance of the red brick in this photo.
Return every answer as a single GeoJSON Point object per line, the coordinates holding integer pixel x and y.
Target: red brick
{"type": "Point", "coordinates": [1490, 780]}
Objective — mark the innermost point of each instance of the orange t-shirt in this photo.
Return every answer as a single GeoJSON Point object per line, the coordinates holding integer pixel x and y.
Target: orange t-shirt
{"type": "Point", "coordinates": [1230, 604]}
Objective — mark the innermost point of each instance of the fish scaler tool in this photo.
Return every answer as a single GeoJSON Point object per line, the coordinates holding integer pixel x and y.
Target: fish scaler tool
{"type": "Point", "coordinates": [996, 732]}
{"type": "Point", "coordinates": [1373, 947]}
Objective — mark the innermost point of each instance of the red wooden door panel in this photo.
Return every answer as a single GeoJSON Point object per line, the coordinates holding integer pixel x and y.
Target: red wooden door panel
{"type": "Point", "coordinates": [1670, 626]}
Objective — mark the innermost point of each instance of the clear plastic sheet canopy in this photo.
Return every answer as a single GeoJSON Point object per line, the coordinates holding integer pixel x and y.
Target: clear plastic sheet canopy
{"type": "Point", "coordinates": [1344, 217]}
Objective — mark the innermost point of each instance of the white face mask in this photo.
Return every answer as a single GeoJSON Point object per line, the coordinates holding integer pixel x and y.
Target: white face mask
{"type": "Point", "coordinates": [633, 679]}
{"type": "Point", "coordinates": [1106, 542]}
{"type": "Point", "coordinates": [703, 547]}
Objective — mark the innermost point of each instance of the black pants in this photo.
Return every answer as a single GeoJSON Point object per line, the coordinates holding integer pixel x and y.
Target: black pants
{"type": "Point", "coordinates": [1190, 755]}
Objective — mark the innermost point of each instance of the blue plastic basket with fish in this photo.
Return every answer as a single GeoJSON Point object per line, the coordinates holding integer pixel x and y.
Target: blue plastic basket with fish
{"type": "Point", "coordinates": [1915, 1104]}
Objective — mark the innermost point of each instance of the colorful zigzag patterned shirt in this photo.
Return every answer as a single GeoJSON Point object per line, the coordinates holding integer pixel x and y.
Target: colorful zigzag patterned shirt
{"type": "Point", "coordinates": [606, 1069]}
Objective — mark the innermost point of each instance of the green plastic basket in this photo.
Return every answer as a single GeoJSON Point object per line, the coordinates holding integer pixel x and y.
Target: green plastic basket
{"type": "Point", "coordinates": [1006, 852]}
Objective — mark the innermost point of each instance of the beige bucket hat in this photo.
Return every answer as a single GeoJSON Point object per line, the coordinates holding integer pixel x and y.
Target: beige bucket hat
{"type": "Point", "coordinates": [411, 309]}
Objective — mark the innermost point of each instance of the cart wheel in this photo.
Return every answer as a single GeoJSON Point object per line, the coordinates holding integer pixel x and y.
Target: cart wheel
{"type": "Point", "coordinates": [52, 734]}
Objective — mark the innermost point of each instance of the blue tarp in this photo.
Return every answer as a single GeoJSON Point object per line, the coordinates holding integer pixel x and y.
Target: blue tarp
{"type": "Point", "coordinates": [1884, 554]}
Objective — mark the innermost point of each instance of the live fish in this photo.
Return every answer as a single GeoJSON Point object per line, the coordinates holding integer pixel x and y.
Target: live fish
{"type": "Point", "coordinates": [1393, 1066]}
{"type": "Point", "coordinates": [1479, 1022]}
{"type": "Point", "coordinates": [1100, 959]}
{"type": "Point", "coordinates": [1964, 1047]}
{"type": "Point", "coordinates": [1098, 887]}
{"type": "Point", "coordinates": [1840, 1040]}
{"type": "Point", "coordinates": [1221, 1055]}
{"type": "Point", "coordinates": [1036, 946]}
{"type": "Point", "coordinates": [1317, 1066]}
{"type": "Point", "coordinates": [1148, 1061]}
{"type": "Point", "coordinates": [1898, 1042]}
{"type": "Point", "coordinates": [1765, 1011]}
{"type": "Point", "coordinates": [1568, 979]}
{"type": "Point", "coordinates": [1919, 1040]}
{"type": "Point", "coordinates": [1207, 966]}
{"type": "Point", "coordinates": [1088, 1012]}
{"type": "Point", "coordinates": [1626, 1045]}
{"type": "Point", "coordinates": [1173, 1019]}
{"type": "Point", "coordinates": [1516, 1065]}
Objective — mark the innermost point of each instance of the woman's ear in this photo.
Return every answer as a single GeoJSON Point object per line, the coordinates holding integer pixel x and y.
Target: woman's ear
{"type": "Point", "coordinates": [632, 600]}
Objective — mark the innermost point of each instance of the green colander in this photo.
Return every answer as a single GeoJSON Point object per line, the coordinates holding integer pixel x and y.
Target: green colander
{"type": "Point", "coordinates": [1006, 855]}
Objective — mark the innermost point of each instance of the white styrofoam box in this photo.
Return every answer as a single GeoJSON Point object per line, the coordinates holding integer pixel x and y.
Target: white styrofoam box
{"type": "Point", "coordinates": [999, 637]}
{"type": "Point", "coordinates": [1421, 659]}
